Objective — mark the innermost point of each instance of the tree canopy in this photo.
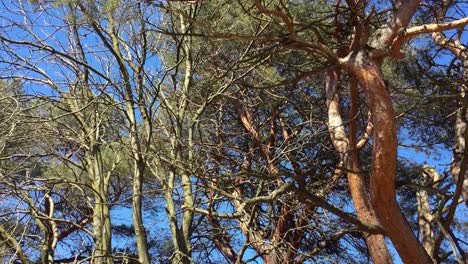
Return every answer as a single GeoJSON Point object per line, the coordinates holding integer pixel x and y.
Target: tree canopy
{"type": "Point", "coordinates": [245, 131]}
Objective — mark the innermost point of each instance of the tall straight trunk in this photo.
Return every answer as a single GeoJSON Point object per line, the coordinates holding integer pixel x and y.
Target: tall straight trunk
{"type": "Point", "coordinates": [349, 155]}
{"type": "Point", "coordinates": [101, 228]}
{"type": "Point", "coordinates": [137, 214]}
{"type": "Point", "coordinates": [102, 234]}
{"type": "Point", "coordinates": [139, 165]}
{"type": "Point", "coordinates": [382, 183]}
{"type": "Point", "coordinates": [180, 255]}
{"type": "Point", "coordinates": [178, 156]}
{"type": "Point", "coordinates": [181, 233]}
{"type": "Point", "coordinates": [187, 217]}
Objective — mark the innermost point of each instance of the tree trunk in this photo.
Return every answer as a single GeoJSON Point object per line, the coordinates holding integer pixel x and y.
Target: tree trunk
{"type": "Point", "coordinates": [139, 166]}
{"type": "Point", "coordinates": [101, 218]}
{"type": "Point", "coordinates": [425, 217]}
{"type": "Point", "coordinates": [137, 216]}
{"type": "Point", "coordinates": [458, 165]}
{"type": "Point", "coordinates": [384, 154]}
{"type": "Point", "coordinates": [101, 232]}
{"type": "Point", "coordinates": [181, 253]}
{"type": "Point", "coordinates": [459, 150]}
{"type": "Point", "coordinates": [348, 154]}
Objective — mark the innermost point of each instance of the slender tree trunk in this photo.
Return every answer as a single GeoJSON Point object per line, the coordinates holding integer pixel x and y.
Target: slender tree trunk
{"type": "Point", "coordinates": [187, 216]}
{"type": "Point", "coordinates": [425, 217]}
{"type": "Point", "coordinates": [101, 218]}
{"type": "Point", "coordinates": [181, 253]}
{"type": "Point", "coordinates": [460, 51]}
{"type": "Point", "coordinates": [49, 229]}
{"type": "Point", "coordinates": [384, 154]}
{"type": "Point", "coordinates": [138, 171]}
{"type": "Point", "coordinates": [459, 163]}
{"type": "Point", "coordinates": [460, 150]}
{"type": "Point", "coordinates": [101, 230]}
{"type": "Point", "coordinates": [137, 215]}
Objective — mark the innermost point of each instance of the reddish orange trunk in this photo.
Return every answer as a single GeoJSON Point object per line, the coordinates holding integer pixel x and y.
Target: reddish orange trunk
{"type": "Point", "coordinates": [382, 182]}
{"type": "Point", "coordinates": [357, 185]}
{"type": "Point", "coordinates": [348, 153]}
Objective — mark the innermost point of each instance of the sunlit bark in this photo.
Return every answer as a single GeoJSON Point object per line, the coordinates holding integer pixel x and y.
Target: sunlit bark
{"type": "Point", "coordinates": [347, 149]}
{"type": "Point", "coordinates": [382, 182]}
